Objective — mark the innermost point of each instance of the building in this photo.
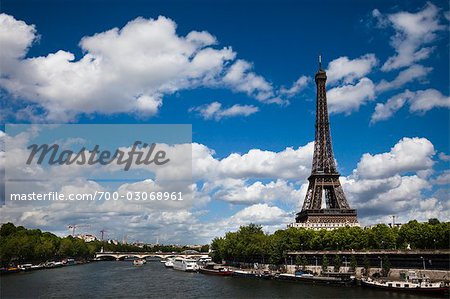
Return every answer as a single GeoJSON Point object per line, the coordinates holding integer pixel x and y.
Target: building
{"type": "Point", "coordinates": [324, 179]}
{"type": "Point", "coordinates": [87, 237]}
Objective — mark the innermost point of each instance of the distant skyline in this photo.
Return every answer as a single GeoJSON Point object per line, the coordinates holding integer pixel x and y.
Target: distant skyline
{"type": "Point", "coordinates": [242, 73]}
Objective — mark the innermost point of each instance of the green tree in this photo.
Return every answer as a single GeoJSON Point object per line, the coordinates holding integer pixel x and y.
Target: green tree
{"type": "Point", "coordinates": [337, 263]}
{"type": "Point", "coordinates": [433, 221]}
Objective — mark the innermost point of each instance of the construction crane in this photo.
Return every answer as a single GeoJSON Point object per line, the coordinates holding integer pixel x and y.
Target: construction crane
{"type": "Point", "coordinates": [73, 227]}
{"type": "Point", "coordinates": [102, 232]}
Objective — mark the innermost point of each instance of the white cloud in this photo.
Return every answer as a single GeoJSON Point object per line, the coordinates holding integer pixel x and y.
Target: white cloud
{"type": "Point", "coordinates": [444, 157]}
{"type": "Point", "coordinates": [419, 101]}
{"type": "Point", "coordinates": [348, 70]}
{"type": "Point", "coordinates": [414, 72]}
{"type": "Point", "coordinates": [412, 32]}
{"type": "Point", "coordinates": [443, 179]}
{"type": "Point", "coordinates": [259, 214]}
{"type": "Point", "coordinates": [397, 195]}
{"type": "Point", "coordinates": [240, 78]}
{"type": "Point", "coordinates": [408, 155]}
{"type": "Point", "coordinates": [215, 111]}
{"type": "Point", "coordinates": [348, 98]}
{"type": "Point", "coordinates": [15, 37]}
{"type": "Point", "coordinates": [288, 164]}
{"type": "Point", "coordinates": [243, 193]}
{"type": "Point", "coordinates": [296, 87]}
{"type": "Point", "coordinates": [393, 183]}
{"type": "Point", "coordinates": [126, 70]}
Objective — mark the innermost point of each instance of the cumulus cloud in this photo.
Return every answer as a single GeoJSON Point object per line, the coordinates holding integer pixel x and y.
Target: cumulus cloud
{"type": "Point", "coordinates": [240, 77]}
{"type": "Point", "coordinates": [392, 183]}
{"type": "Point", "coordinates": [408, 155]}
{"type": "Point", "coordinates": [346, 70]}
{"type": "Point", "coordinates": [244, 193]}
{"type": "Point", "coordinates": [215, 111]}
{"type": "Point", "coordinates": [123, 70]}
{"type": "Point", "coordinates": [261, 214]}
{"type": "Point", "coordinates": [414, 72]}
{"type": "Point", "coordinates": [443, 179]}
{"type": "Point", "coordinates": [412, 32]}
{"type": "Point", "coordinates": [386, 195]}
{"type": "Point", "coordinates": [348, 98]}
{"type": "Point", "coordinates": [288, 164]}
{"type": "Point", "coordinates": [296, 87]}
{"type": "Point", "coordinates": [444, 157]}
{"type": "Point", "coordinates": [419, 102]}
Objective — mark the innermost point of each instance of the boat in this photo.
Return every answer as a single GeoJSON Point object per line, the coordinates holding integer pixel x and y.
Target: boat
{"type": "Point", "coordinates": [9, 270]}
{"type": "Point", "coordinates": [30, 267]}
{"type": "Point", "coordinates": [69, 262]}
{"type": "Point", "coordinates": [265, 275]}
{"type": "Point", "coordinates": [213, 269]}
{"type": "Point", "coordinates": [168, 263]}
{"type": "Point", "coordinates": [25, 267]}
{"type": "Point", "coordinates": [185, 264]}
{"type": "Point", "coordinates": [37, 267]}
{"type": "Point", "coordinates": [138, 262]}
{"type": "Point", "coordinates": [243, 273]}
{"type": "Point", "coordinates": [309, 278]}
{"type": "Point", "coordinates": [52, 264]}
{"type": "Point", "coordinates": [411, 283]}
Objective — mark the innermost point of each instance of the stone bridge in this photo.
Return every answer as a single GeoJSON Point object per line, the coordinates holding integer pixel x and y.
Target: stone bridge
{"type": "Point", "coordinates": [143, 255]}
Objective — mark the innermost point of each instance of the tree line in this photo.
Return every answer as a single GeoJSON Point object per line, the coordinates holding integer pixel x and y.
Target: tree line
{"type": "Point", "coordinates": [19, 245]}
{"type": "Point", "coordinates": [250, 243]}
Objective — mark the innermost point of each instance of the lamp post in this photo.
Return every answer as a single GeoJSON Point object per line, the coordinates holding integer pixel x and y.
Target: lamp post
{"type": "Point", "coordinates": [423, 262]}
{"type": "Point", "coordinates": [381, 263]}
{"type": "Point", "coordinates": [345, 263]}
{"type": "Point", "coordinates": [315, 257]}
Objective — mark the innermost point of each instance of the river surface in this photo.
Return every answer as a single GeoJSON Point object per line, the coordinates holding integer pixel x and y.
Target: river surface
{"type": "Point", "coordinates": [120, 279]}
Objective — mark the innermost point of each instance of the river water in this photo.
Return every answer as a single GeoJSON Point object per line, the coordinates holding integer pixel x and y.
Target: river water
{"type": "Point", "coordinates": [120, 279]}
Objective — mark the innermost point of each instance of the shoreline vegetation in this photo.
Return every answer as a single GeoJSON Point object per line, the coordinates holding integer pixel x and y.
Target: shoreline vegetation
{"type": "Point", "coordinates": [251, 244]}
{"type": "Point", "coordinates": [19, 245]}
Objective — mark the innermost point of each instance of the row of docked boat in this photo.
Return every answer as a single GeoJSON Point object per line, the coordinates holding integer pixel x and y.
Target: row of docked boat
{"type": "Point", "coordinates": [31, 267]}
{"type": "Point", "coordinates": [411, 282]}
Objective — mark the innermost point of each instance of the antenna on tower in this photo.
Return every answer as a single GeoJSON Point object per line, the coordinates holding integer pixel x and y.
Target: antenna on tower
{"type": "Point", "coordinates": [320, 61]}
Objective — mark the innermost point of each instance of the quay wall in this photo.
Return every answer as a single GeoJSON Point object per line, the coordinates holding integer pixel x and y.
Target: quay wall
{"type": "Point", "coordinates": [435, 275]}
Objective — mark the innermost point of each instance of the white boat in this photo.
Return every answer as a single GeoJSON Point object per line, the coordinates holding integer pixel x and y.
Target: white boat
{"type": "Point", "coordinates": [184, 264]}
{"type": "Point", "coordinates": [169, 263]}
{"type": "Point", "coordinates": [411, 283]}
{"type": "Point", "coordinates": [138, 262]}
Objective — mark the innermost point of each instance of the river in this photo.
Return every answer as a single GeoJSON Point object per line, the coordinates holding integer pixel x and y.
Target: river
{"type": "Point", "coordinates": [120, 279]}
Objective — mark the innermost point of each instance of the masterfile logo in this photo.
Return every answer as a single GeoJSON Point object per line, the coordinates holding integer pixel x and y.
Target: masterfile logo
{"type": "Point", "coordinates": [146, 163]}
{"type": "Point", "coordinates": [53, 155]}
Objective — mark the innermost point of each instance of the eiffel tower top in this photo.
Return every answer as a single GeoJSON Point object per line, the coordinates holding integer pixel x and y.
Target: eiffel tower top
{"type": "Point", "coordinates": [321, 75]}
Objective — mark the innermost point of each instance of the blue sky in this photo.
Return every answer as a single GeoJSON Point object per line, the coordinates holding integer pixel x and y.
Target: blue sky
{"type": "Point", "coordinates": [273, 44]}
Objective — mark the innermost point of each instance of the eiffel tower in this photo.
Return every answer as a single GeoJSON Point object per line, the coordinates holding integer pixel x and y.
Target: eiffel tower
{"type": "Point", "coordinates": [324, 179]}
